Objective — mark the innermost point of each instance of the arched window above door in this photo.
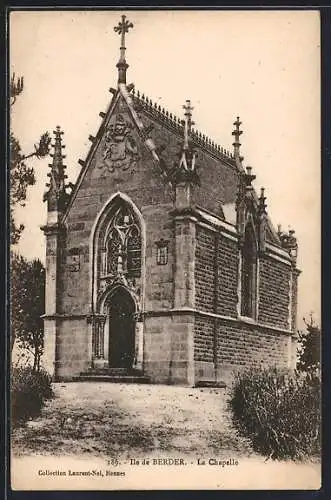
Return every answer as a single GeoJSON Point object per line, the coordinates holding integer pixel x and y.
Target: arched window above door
{"type": "Point", "coordinates": [122, 243]}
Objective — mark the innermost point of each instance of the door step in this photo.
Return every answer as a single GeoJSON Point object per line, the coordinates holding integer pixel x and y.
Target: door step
{"type": "Point", "coordinates": [119, 379]}
{"type": "Point", "coordinates": [211, 384]}
{"type": "Point", "coordinates": [114, 375]}
{"type": "Point", "coordinates": [109, 371]}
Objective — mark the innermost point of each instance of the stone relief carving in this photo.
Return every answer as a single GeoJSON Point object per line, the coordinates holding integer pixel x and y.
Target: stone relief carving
{"type": "Point", "coordinates": [109, 282]}
{"type": "Point", "coordinates": [120, 149]}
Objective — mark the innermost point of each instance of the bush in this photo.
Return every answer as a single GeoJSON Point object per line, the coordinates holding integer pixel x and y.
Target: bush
{"type": "Point", "coordinates": [279, 412]}
{"type": "Point", "coordinates": [29, 390]}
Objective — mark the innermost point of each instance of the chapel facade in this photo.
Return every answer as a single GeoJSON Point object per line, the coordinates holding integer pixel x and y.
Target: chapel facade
{"type": "Point", "coordinates": [162, 263]}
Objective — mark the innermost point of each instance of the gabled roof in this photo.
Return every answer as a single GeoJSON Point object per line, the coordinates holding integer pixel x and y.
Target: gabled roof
{"type": "Point", "coordinates": [137, 103]}
{"type": "Point", "coordinates": [121, 92]}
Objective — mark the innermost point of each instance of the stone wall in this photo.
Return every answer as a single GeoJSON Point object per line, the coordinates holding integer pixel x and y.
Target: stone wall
{"type": "Point", "coordinates": [294, 304]}
{"type": "Point", "coordinates": [238, 345]}
{"type": "Point", "coordinates": [204, 270]}
{"type": "Point", "coordinates": [168, 348]}
{"type": "Point", "coordinates": [227, 260]}
{"type": "Point", "coordinates": [223, 342]}
{"type": "Point", "coordinates": [159, 286]}
{"type": "Point", "coordinates": [204, 338]}
{"type": "Point", "coordinates": [72, 348]}
{"type": "Point", "coordinates": [274, 292]}
{"type": "Point", "coordinates": [216, 281]}
{"type": "Point", "coordinates": [241, 345]}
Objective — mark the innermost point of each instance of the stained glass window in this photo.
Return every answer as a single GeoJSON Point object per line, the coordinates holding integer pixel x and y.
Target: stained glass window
{"type": "Point", "coordinates": [113, 252]}
{"type": "Point", "coordinates": [134, 252]}
{"type": "Point", "coordinates": [123, 244]}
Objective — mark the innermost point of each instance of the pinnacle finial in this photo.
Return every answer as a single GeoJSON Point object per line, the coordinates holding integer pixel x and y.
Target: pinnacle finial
{"type": "Point", "coordinates": [237, 133]}
{"type": "Point", "coordinates": [123, 27]}
{"type": "Point", "coordinates": [58, 146]}
{"type": "Point", "coordinates": [187, 122]}
{"type": "Point", "coordinates": [249, 177]}
{"type": "Point", "coordinates": [56, 192]}
{"type": "Point", "coordinates": [289, 242]}
{"type": "Point", "coordinates": [262, 203]}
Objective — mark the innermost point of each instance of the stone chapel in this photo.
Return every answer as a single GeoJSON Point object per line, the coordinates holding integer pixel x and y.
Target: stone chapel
{"type": "Point", "coordinates": [162, 263]}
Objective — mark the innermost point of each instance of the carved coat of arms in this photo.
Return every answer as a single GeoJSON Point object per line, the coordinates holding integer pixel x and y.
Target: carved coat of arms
{"type": "Point", "coordinates": [120, 149]}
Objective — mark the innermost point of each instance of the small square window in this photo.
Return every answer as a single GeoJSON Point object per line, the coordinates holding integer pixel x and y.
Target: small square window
{"type": "Point", "coordinates": [162, 252]}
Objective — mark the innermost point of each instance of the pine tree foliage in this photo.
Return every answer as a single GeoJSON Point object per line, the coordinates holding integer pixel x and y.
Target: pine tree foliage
{"type": "Point", "coordinates": [21, 174]}
{"type": "Point", "coordinates": [27, 290]}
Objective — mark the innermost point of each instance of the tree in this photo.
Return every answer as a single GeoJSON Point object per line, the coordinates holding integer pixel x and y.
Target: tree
{"type": "Point", "coordinates": [21, 175]}
{"type": "Point", "coordinates": [310, 346]}
{"type": "Point", "coordinates": [27, 287]}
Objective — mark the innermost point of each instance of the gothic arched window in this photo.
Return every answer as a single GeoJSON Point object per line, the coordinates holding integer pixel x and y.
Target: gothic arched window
{"type": "Point", "coordinates": [248, 274]}
{"type": "Point", "coordinates": [123, 244]}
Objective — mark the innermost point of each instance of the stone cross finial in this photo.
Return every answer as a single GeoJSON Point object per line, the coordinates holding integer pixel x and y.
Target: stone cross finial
{"type": "Point", "coordinates": [237, 133]}
{"type": "Point", "coordinates": [123, 27]}
{"type": "Point", "coordinates": [188, 113]}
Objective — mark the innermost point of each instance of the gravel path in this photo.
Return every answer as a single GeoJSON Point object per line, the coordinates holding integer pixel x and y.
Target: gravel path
{"type": "Point", "coordinates": [87, 424]}
{"type": "Point", "coordinates": [103, 419]}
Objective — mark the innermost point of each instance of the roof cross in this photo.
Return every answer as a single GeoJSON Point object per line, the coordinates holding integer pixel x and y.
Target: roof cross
{"type": "Point", "coordinates": [123, 27]}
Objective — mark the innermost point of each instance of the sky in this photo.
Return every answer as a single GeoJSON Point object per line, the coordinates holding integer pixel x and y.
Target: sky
{"type": "Point", "coordinates": [261, 65]}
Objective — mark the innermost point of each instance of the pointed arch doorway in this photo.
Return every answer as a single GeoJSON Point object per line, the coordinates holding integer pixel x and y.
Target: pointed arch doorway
{"type": "Point", "coordinates": [121, 310]}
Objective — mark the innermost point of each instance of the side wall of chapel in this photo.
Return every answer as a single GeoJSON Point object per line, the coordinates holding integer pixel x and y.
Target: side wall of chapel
{"type": "Point", "coordinates": [224, 342]}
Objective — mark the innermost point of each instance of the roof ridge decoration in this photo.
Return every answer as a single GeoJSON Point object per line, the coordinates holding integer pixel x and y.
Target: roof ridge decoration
{"type": "Point", "coordinates": [185, 170]}
{"type": "Point", "coordinates": [142, 102]}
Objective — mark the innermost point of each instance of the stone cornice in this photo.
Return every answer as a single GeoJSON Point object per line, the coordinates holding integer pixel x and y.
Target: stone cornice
{"type": "Point", "coordinates": [182, 311]}
{"type": "Point", "coordinates": [63, 316]}
{"type": "Point", "coordinates": [216, 221]}
{"type": "Point", "coordinates": [213, 223]}
{"type": "Point", "coordinates": [238, 320]}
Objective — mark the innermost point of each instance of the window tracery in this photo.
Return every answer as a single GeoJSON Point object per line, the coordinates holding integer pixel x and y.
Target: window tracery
{"type": "Point", "coordinates": [113, 251]}
{"type": "Point", "coordinates": [134, 252]}
{"type": "Point", "coordinates": [123, 244]}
